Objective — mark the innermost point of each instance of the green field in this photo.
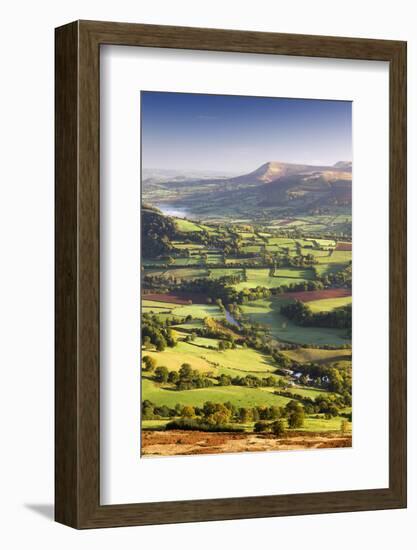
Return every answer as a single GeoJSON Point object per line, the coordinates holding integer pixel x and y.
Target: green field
{"type": "Point", "coordinates": [186, 226]}
{"type": "Point", "coordinates": [337, 257]}
{"type": "Point", "coordinates": [239, 396]}
{"type": "Point", "coordinates": [238, 361]}
{"type": "Point", "coordinates": [187, 274]}
{"type": "Point", "coordinates": [321, 424]}
{"type": "Point", "coordinates": [329, 304]}
{"type": "Point", "coordinates": [314, 355]}
{"type": "Point", "coordinates": [267, 313]}
{"type": "Point", "coordinates": [224, 272]}
{"type": "Point", "coordinates": [179, 245]}
{"type": "Point", "coordinates": [157, 305]}
{"type": "Point", "coordinates": [261, 277]}
{"type": "Point", "coordinates": [199, 311]}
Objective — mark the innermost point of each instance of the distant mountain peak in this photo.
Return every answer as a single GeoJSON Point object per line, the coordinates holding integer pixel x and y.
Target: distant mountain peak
{"type": "Point", "coordinates": [270, 171]}
{"type": "Point", "coordinates": [273, 170]}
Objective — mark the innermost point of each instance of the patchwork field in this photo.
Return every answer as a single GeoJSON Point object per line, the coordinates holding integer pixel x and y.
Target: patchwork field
{"type": "Point", "coordinates": [246, 343]}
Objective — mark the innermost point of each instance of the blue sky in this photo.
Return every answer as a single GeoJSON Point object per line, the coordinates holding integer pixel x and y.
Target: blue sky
{"type": "Point", "coordinates": [237, 133]}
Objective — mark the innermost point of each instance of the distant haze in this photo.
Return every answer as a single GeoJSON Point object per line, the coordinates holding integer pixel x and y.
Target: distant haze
{"type": "Point", "coordinates": [190, 132]}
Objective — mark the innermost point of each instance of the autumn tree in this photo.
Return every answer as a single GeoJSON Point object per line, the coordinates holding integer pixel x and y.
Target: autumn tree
{"type": "Point", "coordinates": [278, 428]}
{"type": "Point", "coordinates": [188, 411]}
{"type": "Point", "coordinates": [161, 375]}
{"type": "Point", "coordinates": [149, 363]}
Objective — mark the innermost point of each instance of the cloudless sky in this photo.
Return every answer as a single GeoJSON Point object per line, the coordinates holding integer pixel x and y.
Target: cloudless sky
{"type": "Point", "coordinates": [237, 134]}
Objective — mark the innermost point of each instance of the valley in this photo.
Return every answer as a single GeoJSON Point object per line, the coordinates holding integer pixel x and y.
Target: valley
{"type": "Point", "coordinates": [246, 310]}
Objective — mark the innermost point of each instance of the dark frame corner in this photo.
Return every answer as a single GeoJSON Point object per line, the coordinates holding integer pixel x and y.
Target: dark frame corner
{"type": "Point", "coordinates": [77, 473]}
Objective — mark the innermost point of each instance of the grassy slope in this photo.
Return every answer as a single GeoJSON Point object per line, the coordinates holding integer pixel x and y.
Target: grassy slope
{"type": "Point", "coordinates": [267, 312]}
{"type": "Point", "coordinates": [260, 277]}
{"type": "Point", "coordinates": [311, 355]}
{"type": "Point", "coordinates": [185, 226]}
{"type": "Point", "coordinates": [199, 311]}
{"type": "Point", "coordinates": [239, 396]}
{"type": "Point", "coordinates": [241, 361]}
{"type": "Point", "coordinates": [329, 304]}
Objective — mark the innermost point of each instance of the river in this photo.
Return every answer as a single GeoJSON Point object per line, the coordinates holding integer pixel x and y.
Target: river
{"type": "Point", "coordinates": [230, 319]}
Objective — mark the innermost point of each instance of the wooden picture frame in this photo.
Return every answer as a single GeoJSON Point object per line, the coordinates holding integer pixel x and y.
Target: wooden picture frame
{"type": "Point", "coordinates": [77, 501]}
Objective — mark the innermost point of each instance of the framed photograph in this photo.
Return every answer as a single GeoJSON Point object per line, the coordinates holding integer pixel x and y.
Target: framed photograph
{"type": "Point", "coordinates": [230, 274]}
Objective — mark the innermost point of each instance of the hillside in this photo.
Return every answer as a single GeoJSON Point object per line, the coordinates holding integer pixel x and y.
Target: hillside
{"type": "Point", "coordinates": [157, 232]}
{"type": "Point", "coordinates": [297, 188]}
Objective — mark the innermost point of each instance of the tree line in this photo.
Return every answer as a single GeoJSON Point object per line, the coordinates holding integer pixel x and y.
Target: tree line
{"type": "Point", "coordinates": [220, 416]}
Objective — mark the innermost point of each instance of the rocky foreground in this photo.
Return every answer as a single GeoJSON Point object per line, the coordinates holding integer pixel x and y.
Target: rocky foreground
{"type": "Point", "coordinates": [178, 442]}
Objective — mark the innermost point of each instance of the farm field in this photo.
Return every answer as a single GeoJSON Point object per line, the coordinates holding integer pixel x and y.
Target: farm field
{"type": "Point", "coordinates": [317, 355]}
{"type": "Point", "coordinates": [240, 397]}
{"type": "Point", "coordinates": [330, 303]}
{"type": "Point", "coordinates": [266, 313]}
{"type": "Point", "coordinates": [261, 277]}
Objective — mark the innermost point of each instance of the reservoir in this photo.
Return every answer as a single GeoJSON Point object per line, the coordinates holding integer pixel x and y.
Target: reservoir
{"type": "Point", "coordinates": [172, 211]}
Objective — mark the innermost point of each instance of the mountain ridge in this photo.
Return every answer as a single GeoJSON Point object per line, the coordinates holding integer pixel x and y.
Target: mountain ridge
{"type": "Point", "coordinates": [272, 170]}
{"type": "Point", "coordinates": [298, 188]}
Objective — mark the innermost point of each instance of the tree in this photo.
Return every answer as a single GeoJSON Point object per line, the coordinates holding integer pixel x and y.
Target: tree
{"type": "Point", "coordinates": [173, 377]}
{"type": "Point", "coordinates": [224, 380]}
{"type": "Point", "coordinates": [188, 411]}
{"type": "Point", "coordinates": [185, 371]}
{"type": "Point", "coordinates": [296, 418]}
{"type": "Point", "coordinates": [220, 416]}
{"type": "Point", "coordinates": [244, 415]}
{"type": "Point", "coordinates": [163, 411]}
{"type": "Point", "coordinates": [208, 408]}
{"type": "Point", "coordinates": [261, 427]}
{"type": "Point", "coordinates": [335, 380]}
{"type": "Point", "coordinates": [161, 375]}
{"type": "Point", "coordinates": [278, 428]}
{"type": "Point", "coordinates": [275, 412]}
{"type": "Point", "coordinates": [147, 412]}
{"type": "Point", "coordinates": [149, 363]}
{"type": "Point", "coordinates": [160, 343]}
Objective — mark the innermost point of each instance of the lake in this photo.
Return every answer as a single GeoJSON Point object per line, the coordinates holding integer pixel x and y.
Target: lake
{"type": "Point", "coordinates": [170, 211]}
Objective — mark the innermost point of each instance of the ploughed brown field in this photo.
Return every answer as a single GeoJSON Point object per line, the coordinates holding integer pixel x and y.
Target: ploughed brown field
{"type": "Point", "coordinates": [180, 298]}
{"type": "Point", "coordinates": [344, 247]}
{"type": "Point", "coordinates": [178, 442]}
{"type": "Point", "coordinates": [312, 295]}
